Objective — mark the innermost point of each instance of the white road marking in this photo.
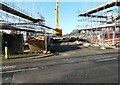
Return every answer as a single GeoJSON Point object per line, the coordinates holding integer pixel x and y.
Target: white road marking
{"type": "Point", "coordinates": [69, 53]}
{"type": "Point", "coordinates": [44, 67]}
{"type": "Point", "coordinates": [7, 67]}
{"type": "Point", "coordinates": [19, 70]}
{"type": "Point", "coordinates": [66, 54]}
{"type": "Point", "coordinates": [71, 61]}
{"type": "Point", "coordinates": [104, 57]}
{"type": "Point", "coordinates": [107, 59]}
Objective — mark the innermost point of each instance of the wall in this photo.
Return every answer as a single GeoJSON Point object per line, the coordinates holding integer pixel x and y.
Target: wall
{"type": "Point", "coordinates": [15, 43]}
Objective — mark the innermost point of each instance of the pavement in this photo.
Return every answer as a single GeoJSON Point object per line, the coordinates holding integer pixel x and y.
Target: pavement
{"type": "Point", "coordinates": [26, 57]}
{"type": "Point", "coordinates": [74, 64]}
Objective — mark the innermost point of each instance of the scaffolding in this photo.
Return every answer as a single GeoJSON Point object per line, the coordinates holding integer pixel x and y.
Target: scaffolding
{"type": "Point", "coordinates": [14, 18]}
{"type": "Point", "coordinates": [101, 28]}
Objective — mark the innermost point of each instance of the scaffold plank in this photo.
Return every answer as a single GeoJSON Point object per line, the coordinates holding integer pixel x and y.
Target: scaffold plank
{"type": "Point", "coordinates": [97, 16]}
{"type": "Point", "coordinates": [100, 8]}
{"type": "Point", "coordinates": [30, 24]}
{"type": "Point", "coordinates": [8, 27]}
{"type": "Point", "coordinates": [100, 26]}
{"type": "Point", "coordinates": [17, 13]}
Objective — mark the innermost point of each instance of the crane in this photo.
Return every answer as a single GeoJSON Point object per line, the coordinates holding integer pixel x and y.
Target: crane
{"type": "Point", "coordinates": [57, 14]}
{"type": "Point", "coordinates": [57, 33]}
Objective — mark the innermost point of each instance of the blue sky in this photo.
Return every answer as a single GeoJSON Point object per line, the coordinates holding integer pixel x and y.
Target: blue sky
{"type": "Point", "coordinates": [68, 12]}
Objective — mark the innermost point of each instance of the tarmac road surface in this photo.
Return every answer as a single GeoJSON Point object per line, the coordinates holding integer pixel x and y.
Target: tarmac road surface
{"type": "Point", "coordinates": [74, 64]}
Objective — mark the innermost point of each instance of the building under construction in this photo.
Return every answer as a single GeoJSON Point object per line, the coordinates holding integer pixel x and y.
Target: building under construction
{"type": "Point", "coordinates": [102, 24]}
{"type": "Point", "coordinates": [15, 20]}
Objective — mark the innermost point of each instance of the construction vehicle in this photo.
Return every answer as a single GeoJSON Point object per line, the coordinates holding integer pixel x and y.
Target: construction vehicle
{"type": "Point", "coordinates": [57, 33]}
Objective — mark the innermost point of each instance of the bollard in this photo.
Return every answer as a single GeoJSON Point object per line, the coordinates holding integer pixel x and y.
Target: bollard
{"type": "Point", "coordinates": [6, 52]}
{"type": "Point", "coordinates": [48, 52]}
{"type": "Point", "coordinates": [44, 52]}
{"type": "Point", "coordinates": [102, 48]}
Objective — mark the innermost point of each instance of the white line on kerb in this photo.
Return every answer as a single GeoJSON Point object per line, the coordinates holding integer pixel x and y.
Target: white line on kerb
{"type": "Point", "coordinates": [107, 59]}
{"type": "Point", "coordinates": [19, 70]}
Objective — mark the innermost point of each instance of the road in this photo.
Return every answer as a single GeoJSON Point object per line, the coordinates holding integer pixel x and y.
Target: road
{"type": "Point", "coordinates": [74, 64]}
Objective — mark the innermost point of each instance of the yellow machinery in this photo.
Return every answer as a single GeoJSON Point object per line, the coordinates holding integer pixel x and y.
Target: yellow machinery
{"type": "Point", "coordinates": [57, 32]}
